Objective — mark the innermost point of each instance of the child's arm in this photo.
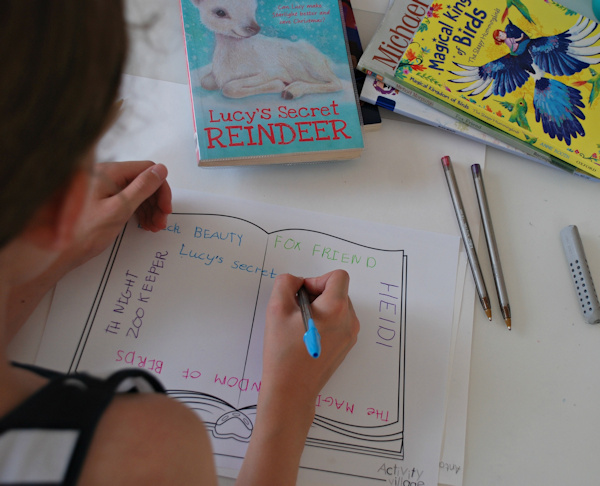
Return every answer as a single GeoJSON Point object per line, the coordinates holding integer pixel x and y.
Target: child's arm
{"type": "Point", "coordinates": [292, 379]}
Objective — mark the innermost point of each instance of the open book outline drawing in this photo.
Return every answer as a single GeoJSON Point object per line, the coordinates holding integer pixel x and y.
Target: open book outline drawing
{"type": "Point", "coordinates": [228, 392]}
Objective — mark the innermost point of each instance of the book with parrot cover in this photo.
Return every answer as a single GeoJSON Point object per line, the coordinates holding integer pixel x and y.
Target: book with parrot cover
{"type": "Point", "coordinates": [521, 70]}
{"type": "Point", "coordinates": [380, 94]}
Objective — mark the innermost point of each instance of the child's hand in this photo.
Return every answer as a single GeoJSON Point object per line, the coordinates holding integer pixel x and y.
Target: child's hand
{"type": "Point", "coordinates": [288, 369]}
{"type": "Point", "coordinates": [117, 191]}
{"type": "Point", "coordinates": [120, 189]}
{"type": "Point", "coordinates": [292, 379]}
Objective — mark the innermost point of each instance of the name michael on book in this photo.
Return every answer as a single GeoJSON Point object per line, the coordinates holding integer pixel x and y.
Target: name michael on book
{"type": "Point", "coordinates": [392, 50]}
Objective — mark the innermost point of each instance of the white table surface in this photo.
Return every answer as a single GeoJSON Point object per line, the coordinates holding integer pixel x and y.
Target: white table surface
{"type": "Point", "coordinates": [535, 391]}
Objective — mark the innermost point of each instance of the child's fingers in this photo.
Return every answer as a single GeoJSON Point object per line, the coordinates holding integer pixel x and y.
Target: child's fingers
{"type": "Point", "coordinates": [335, 284]}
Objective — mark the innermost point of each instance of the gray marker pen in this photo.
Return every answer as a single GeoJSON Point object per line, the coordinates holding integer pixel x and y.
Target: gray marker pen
{"type": "Point", "coordinates": [582, 278]}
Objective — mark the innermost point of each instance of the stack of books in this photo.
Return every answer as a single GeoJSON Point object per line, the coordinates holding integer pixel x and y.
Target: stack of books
{"type": "Point", "coordinates": [520, 77]}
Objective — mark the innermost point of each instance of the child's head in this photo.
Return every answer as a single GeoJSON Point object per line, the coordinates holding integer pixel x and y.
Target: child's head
{"type": "Point", "coordinates": [61, 67]}
{"type": "Point", "coordinates": [499, 36]}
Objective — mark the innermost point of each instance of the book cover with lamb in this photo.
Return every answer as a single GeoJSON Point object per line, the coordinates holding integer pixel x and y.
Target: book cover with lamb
{"type": "Point", "coordinates": [270, 81]}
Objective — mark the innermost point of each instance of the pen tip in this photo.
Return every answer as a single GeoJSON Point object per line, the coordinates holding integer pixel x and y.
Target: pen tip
{"type": "Point", "coordinates": [488, 313]}
{"type": "Point", "coordinates": [508, 324]}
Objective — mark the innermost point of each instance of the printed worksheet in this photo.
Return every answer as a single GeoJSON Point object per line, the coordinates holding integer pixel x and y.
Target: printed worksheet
{"type": "Point", "coordinates": [188, 305]}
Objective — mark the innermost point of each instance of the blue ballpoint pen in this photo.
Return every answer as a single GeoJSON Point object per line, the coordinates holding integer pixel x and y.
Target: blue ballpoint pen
{"type": "Point", "coordinates": [312, 338]}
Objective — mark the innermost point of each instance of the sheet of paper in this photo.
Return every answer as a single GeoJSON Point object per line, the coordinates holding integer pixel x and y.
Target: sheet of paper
{"type": "Point", "coordinates": [377, 6]}
{"type": "Point", "coordinates": [455, 429]}
{"type": "Point", "coordinates": [188, 304]}
{"type": "Point", "coordinates": [399, 183]}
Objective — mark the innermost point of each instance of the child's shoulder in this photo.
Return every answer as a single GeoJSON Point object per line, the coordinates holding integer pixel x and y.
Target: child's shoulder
{"type": "Point", "coordinates": [149, 439]}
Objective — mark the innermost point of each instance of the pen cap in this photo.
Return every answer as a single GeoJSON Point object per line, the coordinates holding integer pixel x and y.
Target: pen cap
{"type": "Point", "coordinates": [580, 272]}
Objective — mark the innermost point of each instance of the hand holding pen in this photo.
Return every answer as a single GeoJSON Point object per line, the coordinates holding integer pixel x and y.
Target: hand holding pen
{"type": "Point", "coordinates": [285, 359]}
{"type": "Point", "coordinates": [292, 378]}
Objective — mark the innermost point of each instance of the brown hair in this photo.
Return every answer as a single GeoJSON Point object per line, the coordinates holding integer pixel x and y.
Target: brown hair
{"type": "Point", "coordinates": [61, 67]}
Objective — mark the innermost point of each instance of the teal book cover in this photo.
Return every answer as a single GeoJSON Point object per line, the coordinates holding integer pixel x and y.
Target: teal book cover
{"type": "Point", "coordinates": [270, 82]}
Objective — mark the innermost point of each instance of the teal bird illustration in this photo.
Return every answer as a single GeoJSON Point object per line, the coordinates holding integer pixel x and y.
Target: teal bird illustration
{"type": "Point", "coordinates": [518, 111]}
{"type": "Point", "coordinates": [520, 7]}
{"type": "Point", "coordinates": [595, 82]}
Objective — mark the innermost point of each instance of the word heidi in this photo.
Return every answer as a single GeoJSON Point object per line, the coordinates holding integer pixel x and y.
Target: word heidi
{"type": "Point", "coordinates": [388, 332]}
{"type": "Point", "coordinates": [317, 125]}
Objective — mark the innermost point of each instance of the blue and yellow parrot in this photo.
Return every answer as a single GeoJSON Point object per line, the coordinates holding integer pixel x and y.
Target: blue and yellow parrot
{"type": "Point", "coordinates": [556, 105]}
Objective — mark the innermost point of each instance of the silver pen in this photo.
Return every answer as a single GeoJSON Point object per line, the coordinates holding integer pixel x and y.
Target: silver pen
{"type": "Point", "coordinates": [466, 236]}
{"type": "Point", "coordinates": [490, 239]}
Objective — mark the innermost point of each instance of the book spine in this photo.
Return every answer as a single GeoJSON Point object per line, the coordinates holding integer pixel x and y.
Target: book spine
{"type": "Point", "coordinates": [399, 25]}
{"type": "Point", "coordinates": [369, 113]}
{"type": "Point", "coordinates": [493, 142]}
{"type": "Point", "coordinates": [535, 153]}
{"type": "Point", "coordinates": [187, 65]}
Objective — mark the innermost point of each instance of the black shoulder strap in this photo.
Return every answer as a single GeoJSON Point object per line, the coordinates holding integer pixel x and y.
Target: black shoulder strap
{"type": "Point", "coordinates": [76, 402]}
